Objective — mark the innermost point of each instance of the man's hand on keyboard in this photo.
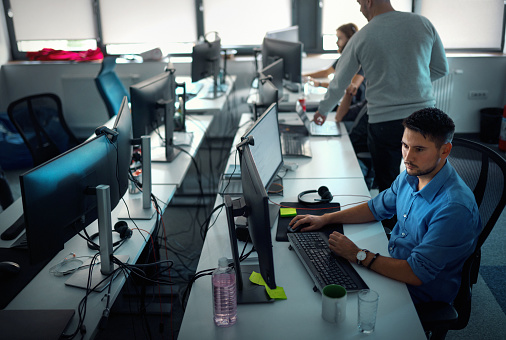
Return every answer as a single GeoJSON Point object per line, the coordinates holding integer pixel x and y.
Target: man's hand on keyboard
{"type": "Point", "coordinates": [343, 246]}
{"type": "Point", "coordinates": [308, 222]}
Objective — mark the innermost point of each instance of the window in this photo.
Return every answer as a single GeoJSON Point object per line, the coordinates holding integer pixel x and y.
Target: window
{"type": "Point", "coordinates": [30, 19]}
{"type": "Point", "coordinates": [245, 22]}
{"type": "Point", "coordinates": [466, 24]}
{"type": "Point", "coordinates": [132, 26]}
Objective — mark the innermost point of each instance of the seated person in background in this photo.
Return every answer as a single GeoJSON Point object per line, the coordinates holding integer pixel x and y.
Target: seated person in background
{"type": "Point", "coordinates": [438, 219]}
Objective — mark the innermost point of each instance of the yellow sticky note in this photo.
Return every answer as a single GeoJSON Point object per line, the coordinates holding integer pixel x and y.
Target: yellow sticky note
{"type": "Point", "coordinates": [287, 212]}
{"type": "Point", "coordinates": [278, 293]}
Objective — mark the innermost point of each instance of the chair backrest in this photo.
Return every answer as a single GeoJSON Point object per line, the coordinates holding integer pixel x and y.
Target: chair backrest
{"type": "Point", "coordinates": [484, 171]}
{"type": "Point", "coordinates": [40, 122]}
{"type": "Point", "coordinates": [110, 87]}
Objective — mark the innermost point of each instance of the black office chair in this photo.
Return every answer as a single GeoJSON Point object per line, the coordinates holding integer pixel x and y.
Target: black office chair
{"type": "Point", "coordinates": [110, 87]}
{"type": "Point", "coordinates": [484, 171]}
{"type": "Point", "coordinates": [40, 122]}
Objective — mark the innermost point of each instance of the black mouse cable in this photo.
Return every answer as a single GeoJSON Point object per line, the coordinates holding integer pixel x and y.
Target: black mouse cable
{"type": "Point", "coordinates": [206, 226]}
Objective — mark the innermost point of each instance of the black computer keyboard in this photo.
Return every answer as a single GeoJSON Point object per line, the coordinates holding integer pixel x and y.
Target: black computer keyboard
{"type": "Point", "coordinates": [295, 145]}
{"type": "Point", "coordinates": [323, 266]}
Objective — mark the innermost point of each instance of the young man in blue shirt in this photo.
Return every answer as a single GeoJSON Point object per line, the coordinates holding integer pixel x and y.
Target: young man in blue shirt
{"type": "Point", "coordinates": [438, 219]}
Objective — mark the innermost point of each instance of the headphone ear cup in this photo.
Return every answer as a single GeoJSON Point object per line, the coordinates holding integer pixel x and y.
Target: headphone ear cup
{"type": "Point", "coordinates": [122, 228]}
{"type": "Point", "coordinates": [325, 194]}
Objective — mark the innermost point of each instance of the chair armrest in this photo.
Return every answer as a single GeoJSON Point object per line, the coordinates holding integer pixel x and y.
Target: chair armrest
{"type": "Point", "coordinates": [436, 313]}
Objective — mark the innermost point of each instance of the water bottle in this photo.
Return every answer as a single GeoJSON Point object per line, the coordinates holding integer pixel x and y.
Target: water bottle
{"type": "Point", "coordinates": [224, 294]}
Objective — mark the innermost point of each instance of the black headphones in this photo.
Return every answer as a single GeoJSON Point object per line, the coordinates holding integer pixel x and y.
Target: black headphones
{"type": "Point", "coordinates": [324, 193]}
{"type": "Point", "coordinates": [121, 227]}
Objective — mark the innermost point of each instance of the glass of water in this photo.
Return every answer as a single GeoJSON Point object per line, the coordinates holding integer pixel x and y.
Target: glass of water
{"type": "Point", "coordinates": [367, 308]}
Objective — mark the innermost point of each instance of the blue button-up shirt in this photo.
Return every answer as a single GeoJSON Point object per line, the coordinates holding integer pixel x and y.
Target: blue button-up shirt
{"type": "Point", "coordinates": [436, 231]}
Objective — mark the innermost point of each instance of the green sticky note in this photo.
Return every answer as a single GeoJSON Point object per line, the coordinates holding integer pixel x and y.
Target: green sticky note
{"type": "Point", "coordinates": [257, 279]}
{"type": "Point", "coordinates": [287, 212]}
{"type": "Point", "coordinates": [277, 294]}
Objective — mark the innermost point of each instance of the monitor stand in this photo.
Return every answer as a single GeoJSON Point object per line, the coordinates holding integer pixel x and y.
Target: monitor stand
{"type": "Point", "coordinates": [138, 206]}
{"type": "Point", "coordinates": [101, 275]}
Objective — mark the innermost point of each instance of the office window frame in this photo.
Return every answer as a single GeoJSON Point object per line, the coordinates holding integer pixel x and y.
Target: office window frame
{"type": "Point", "coordinates": [312, 27]}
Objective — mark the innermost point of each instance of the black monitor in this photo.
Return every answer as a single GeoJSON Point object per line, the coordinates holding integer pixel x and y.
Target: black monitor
{"type": "Point", "coordinates": [254, 205]}
{"type": "Point", "coordinates": [153, 108]}
{"type": "Point", "coordinates": [275, 72]}
{"type": "Point", "coordinates": [290, 52]}
{"type": "Point", "coordinates": [266, 150]}
{"type": "Point", "coordinates": [56, 203]}
{"type": "Point", "coordinates": [288, 34]}
{"type": "Point", "coordinates": [206, 58]}
{"type": "Point", "coordinates": [123, 127]}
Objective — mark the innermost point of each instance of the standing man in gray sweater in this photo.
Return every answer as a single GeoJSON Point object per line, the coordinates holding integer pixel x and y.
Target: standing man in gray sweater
{"type": "Point", "coordinates": [401, 54]}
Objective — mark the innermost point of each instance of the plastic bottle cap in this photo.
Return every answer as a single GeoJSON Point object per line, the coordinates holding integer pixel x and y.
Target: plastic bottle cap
{"type": "Point", "coordinates": [223, 262]}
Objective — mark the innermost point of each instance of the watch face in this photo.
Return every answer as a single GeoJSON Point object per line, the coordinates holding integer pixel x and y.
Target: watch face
{"type": "Point", "coordinates": [361, 255]}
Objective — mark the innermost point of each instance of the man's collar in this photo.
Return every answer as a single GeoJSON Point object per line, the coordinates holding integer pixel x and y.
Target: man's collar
{"type": "Point", "coordinates": [435, 184]}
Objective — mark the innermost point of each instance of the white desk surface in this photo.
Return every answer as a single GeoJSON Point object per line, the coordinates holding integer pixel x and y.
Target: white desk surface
{"type": "Point", "coordinates": [47, 291]}
{"type": "Point", "coordinates": [173, 173]}
{"type": "Point", "coordinates": [299, 317]}
{"type": "Point", "coordinates": [199, 104]}
{"type": "Point", "coordinates": [333, 157]}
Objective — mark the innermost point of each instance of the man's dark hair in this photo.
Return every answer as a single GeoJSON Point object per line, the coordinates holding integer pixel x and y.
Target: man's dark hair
{"type": "Point", "coordinates": [433, 124]}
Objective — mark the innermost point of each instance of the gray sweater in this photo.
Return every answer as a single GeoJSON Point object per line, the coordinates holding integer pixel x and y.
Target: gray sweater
{"type": "Point", "coordinates": [401, 54]}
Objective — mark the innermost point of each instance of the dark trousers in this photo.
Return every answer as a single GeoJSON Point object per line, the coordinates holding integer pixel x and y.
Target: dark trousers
{"type": "Point", "coordinates": [384, 142]}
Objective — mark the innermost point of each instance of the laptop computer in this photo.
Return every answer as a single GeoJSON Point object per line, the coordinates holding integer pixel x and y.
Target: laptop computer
{"type": "Point", "coordinates": [327, 129]}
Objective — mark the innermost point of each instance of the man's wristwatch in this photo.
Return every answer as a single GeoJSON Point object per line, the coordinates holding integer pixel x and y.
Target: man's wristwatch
{"type": "Point", "coordinates": [361, 256]}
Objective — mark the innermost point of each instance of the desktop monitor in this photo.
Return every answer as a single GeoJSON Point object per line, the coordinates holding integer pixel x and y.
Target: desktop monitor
{"type": "Point", "coordinates": [258, 215]}
{"type": "Point", "coordinates": [55, 197]}
{"type": "Point", "coordinates": [255, 207]}
{"type": "Point", "coordinates": [290, 52]}
{"type": "Point", "coordinates": [266, 150]}
{"type": "Point", "coordinates": [206, 57]}
{"type": "Point", "coordinates": [153, 107]}
{"type": "Point", "coordinates": [287, 34]}
{"type": "Point", "coordinates": [275, 71]}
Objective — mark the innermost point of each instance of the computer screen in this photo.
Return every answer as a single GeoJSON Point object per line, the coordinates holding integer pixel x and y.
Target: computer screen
{"type": "Point", "coordinates": [276, 71]}
{"type": "Point", "coordinates": [153, 106]}
{"type": "Point", "coordinates": [266, 151]}
{"type": "Point", "coordinates": [290, 52]}
{"type": "Point", "coordinates": [288, 34]}
{"type": "Point", "coordinates": [58, 199]}
{"type": "Point", "coordinates": [56, 205]}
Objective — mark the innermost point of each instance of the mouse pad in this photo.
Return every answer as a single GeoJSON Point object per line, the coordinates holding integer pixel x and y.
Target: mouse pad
{"type": "Point", "coordinates": [304, 209]}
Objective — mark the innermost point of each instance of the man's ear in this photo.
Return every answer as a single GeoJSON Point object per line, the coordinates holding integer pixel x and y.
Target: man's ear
{"type": "Point", "coordinates": [445, 150]}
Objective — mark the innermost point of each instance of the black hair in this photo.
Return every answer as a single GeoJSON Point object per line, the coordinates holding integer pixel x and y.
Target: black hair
{"type": "Point", "coordinates": [433, 124]}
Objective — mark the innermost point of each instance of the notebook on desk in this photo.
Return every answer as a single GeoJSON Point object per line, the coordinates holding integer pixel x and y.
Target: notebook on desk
{"type": "Point", "coordinates": [34, 324]}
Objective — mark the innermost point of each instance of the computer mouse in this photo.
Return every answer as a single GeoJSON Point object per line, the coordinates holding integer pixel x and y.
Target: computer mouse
{"type": "Point", "coordinates": [8, 267]}
{"type": "Point", "coordinates": [298, 228]}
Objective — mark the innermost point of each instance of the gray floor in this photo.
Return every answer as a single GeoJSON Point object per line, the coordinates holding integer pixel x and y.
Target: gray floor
{"type": "Point", "coordinates": [183, 221]}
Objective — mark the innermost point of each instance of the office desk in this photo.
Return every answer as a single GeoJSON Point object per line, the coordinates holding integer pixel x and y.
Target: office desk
{"type": "Point", "coordinates": [299, 317]}
{"type": "Point", "coordinates": [173, 173]}
{"type": "Point", "coordinates": [333, 157]}
{"type": "Point", "coordinates": [47, 291]}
